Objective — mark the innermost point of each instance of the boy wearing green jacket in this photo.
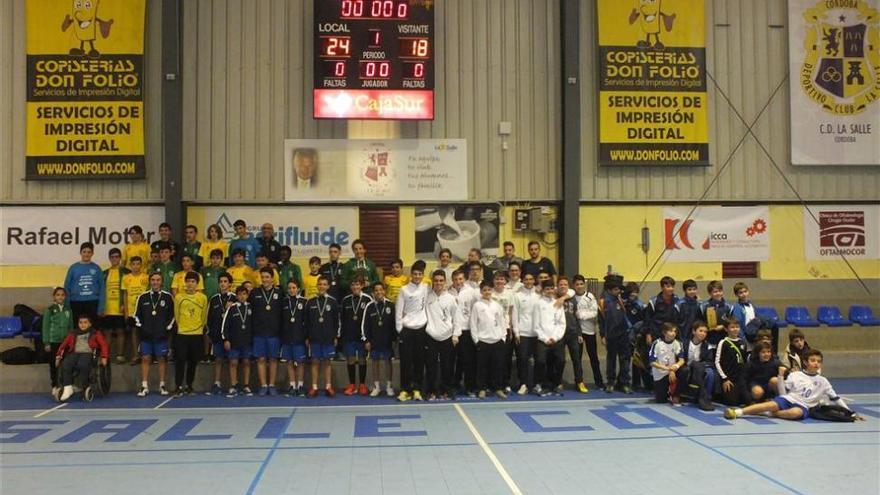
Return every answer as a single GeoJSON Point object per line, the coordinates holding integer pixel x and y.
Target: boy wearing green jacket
{"type": "Point", "coordinates": [57, 323]}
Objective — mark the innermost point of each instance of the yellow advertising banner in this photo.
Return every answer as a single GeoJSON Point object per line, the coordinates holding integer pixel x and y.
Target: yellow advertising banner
{"type": "Point", "coordinates": [652, 83]}
{"type": "Point", "coordinates": [85, 82]}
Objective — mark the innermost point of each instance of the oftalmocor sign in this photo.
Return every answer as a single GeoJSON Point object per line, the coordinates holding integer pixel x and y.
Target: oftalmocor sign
{"type": "Point", "coordinates": [847, 230]}
{"type": "Point", "coordinates": [308, 231]}
{"type": "Point", "coordinates": [51, 235]}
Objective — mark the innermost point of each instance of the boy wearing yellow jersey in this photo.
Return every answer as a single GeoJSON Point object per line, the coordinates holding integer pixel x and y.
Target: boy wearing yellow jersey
{"type": "Point", "coordinates": [240, 272]}
{"type": "Point", "coordinates": [113, 322]}
{"type": "Point", "coordinates": [179, 283]}
{"type": "Point", "coordinates": [395, 281]}
{"type": "Point", "coordinates": [310, 281]}
{"type": "Point", "coordinates": [138, 247]}
{"type": "Point", "coordinates": [191, 314]}
{"type": "Point", "coordinates": [133, 285]}
{"type": "Point", "coordinates": [263, 262]}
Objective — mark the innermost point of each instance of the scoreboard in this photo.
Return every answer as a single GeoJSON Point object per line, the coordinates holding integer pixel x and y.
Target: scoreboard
{"type": "Point", "coordinates": [374, 59]}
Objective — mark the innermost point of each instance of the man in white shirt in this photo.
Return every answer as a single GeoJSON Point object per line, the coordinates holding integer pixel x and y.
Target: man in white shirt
{"type": "Point", "coordinates": [524, 301]}
{"type": "Point", "coordinates": [488, 331]}
{"type": "Point", "coordinates": [411, 321]}
{"type": "Point", "coordinates": [514, 276]}
{"type": "Point", "coordinates": [548, 319]}
{"type": "Point", "coordinates": [466, 293]}
{"type": "Point", "coordinates": [504, 297]}
{"type": "Point", "coordinates": [443, 335]}
{"type": "Point", "coordinates": [587, 315]}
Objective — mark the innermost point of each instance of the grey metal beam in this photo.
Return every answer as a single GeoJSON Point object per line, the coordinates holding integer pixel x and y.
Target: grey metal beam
{"type": "Point", "coordinates": [172, 113]}
{"type": "Point", "coordinates": [571, 137]}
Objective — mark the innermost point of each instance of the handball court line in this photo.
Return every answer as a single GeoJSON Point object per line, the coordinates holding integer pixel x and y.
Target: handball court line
{"type": "Point", "coordinates": [49, 411]}
{"type": "Point", "coordinates": [514, 489]}
{"type": "Point", "coordinates": [166, 401]}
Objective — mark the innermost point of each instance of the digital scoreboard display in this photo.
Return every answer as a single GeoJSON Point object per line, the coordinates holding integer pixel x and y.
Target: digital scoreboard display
{"type": "Point", "coordinates": [374, 59]}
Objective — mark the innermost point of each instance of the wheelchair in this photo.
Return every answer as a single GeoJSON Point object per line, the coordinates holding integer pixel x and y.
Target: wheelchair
{"type": "Point", "coordinates": [97, 384]}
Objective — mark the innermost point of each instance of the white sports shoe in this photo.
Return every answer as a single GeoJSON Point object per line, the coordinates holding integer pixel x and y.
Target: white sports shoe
{"type": "Point", "coordinates": [144, 391]}
{"type": "Point", "coordinates": [68, 393]}
{"type": "Point", "coordinates": [389, 392]}
{"type": "Point", "coordinates": [375, 392]}
{"type": "Point", "coordinates": [523, 389]}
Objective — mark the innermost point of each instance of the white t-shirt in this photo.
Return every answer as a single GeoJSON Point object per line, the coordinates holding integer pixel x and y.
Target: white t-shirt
{"type": "Point", "coordinates": [665, 353]}
{"type": "Point", "coordinates": [808, 390]}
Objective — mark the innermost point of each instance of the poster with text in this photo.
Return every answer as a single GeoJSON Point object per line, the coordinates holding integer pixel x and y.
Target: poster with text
{"type": "Point", "coordinates": [308, 231]}
{"type": "Point", "coordinates": [375, 170]}
{"type": "Point", "coordinates": [834, 59]}
{"type": "Point", "coordinates": [51, 235]}
{"type": "Point", "coordinates": [85, 89]}
{"type": "Point", "coordinates": [652, 83]}
{"type": "Point", "coordinates": [457, 228]}
{"type": "Point", "coordinates": [848, 230]}
{"type": "Point", "coordinates": [717, 233]}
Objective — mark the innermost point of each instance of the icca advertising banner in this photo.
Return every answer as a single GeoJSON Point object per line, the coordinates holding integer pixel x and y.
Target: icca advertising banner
{"type": "Point", "coordinates": [85, 83]}
{"type": "Point", "coordinates": [834, 59]}
{"type": "Point", "coordinates": [849, 230]}
{"type": "Point", "coordinates": [652, 83]}
{"type": "Point", "coordinates": [375, 170]}
{"type": "Point", "coordinates": [308, 231]}
{"type": "Point", "coordinates": [718, 233]}
{"type": "Point", "coordinates": [51, 235]}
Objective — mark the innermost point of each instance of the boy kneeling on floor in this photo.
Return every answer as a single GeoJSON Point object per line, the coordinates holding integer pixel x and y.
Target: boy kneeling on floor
{"type": "Point", "coordinates": [75, 354]}
{"type": "Point", "coordinates": [799, 395]}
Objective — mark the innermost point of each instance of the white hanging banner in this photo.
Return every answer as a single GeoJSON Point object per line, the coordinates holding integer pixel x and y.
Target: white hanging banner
{"type": "Point", "coordinates": [51, 235]}
{"type": "Point", "coordinates": [834, 61]}
{"type": "Point", "coordinates": [718, 233]}
{"type": "Point", "coordinates": [357, 170]}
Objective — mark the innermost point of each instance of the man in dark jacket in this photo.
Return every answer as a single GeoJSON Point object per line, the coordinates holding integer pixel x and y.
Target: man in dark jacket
{"type": "Point", "coordinates": [154, 319]}
{"type": "Point", "coordinates": [614, 330]}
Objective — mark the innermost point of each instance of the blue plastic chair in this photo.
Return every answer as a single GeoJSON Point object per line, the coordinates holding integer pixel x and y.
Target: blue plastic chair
{"type": "Point", "coordinates": [10, 326]}
{"type": "Point", "coordinates": [863, 316]}
{"type": "Point", "coordinates": [831, 316]}
{"type": "Point", "coordinates": [769, 312]}
{"type": "Point", "coordinates": [799, 316]}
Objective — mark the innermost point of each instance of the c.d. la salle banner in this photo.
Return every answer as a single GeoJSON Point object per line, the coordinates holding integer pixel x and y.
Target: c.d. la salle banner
{"type": "Point", "coordinates": [652, 83]}
{"type": "Point", "coordinates": [85, 111]}
{"type": "Point", "coordinates": [834, 59]}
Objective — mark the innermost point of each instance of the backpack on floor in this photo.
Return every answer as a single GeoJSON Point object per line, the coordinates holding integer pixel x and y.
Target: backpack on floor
{"type": "Point", "coordinates": [832, 412]}
{"type": "Point", "coordinates": [17, 355]}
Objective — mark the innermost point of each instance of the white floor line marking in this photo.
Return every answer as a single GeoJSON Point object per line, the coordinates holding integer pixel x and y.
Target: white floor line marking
{"type": "Point", "coordinates": [166, 401]}
{"type": "Point", "coordinates": [47, 411]}
{"type": "Point", "coordinates": [485, 446]}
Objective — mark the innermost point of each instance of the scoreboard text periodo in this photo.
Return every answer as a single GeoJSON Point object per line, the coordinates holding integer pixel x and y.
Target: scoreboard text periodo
{"type": "Point", "coordinates": [374, 59]}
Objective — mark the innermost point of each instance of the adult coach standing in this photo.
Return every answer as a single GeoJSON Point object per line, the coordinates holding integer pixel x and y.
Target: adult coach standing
{"type": "Point", "coordinates": [268, 245]}
{"type": "Point", "coordinates": [536, 263]}
{"type": "Point", "coordinates": [85, 285]}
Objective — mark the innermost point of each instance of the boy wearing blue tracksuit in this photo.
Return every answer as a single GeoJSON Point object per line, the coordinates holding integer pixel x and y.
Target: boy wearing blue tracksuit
{"type": "Point", "coordinates": [238, 335]}
{"type": "Point", "coordinates": [699, 365]}
{"type": "Point", "coordinates": [217, 306]}
{"type": "Point", "coordinates": [614, 330]}
{"type": "Point", "coordinates": [744, 312]}
{"type": "Point", "coordinates": [715, 311]}
{"type": "Point", "coordinates": [293, 339]}
{"type": "Point", "coordinates": [84, 284]}
{"type": "Point", "coordinates": [688, 310]}
{"type": "Point", "coordinates": [267, 302]}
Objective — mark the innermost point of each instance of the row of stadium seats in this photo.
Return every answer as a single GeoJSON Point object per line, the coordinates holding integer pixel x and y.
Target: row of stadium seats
{"type": "Point", "coordinates": [831, 316]}
{"type": "Point", "coordinates": [799, 316]}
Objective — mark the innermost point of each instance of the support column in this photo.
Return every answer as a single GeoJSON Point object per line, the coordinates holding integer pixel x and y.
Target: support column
{"type": "Point", "coordinates": [172, 113]}
{"type": "Point", "coordinates": [571, 136]}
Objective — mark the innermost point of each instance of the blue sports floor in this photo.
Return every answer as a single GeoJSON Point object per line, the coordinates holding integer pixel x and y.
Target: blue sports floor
{"type": "Point", "coordinates": [594, 443]}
